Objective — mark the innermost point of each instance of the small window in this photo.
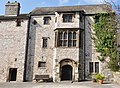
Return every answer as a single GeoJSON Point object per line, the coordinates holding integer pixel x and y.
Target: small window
{"type": "Point", "coordinates": [97, 19]}
{"type": "Point", "coordinates": [93, 67]}
{"type": "Point", "coordinates": [18, 22]}
{"type": "Point", "coordinates": [44, 42]}
{"type": "Point", "coordinates": [67, 17]}
{"type": "Point", "coordinates": [41, 64]}
{"type": "Point", "coordinates": [90, 67]}
{"type": "Point", "coordinates": [96, 67]}
{"type": "Point", "coordinates": [12, 74]}
{"type": "Point", "coordinates": [46, 20]}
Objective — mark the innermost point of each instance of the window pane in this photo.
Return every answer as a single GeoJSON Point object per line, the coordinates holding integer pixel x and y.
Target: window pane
{"type": "Point", "coordinates": [46, 20]}
{"type": "Point", "coordinates": [97, 19]}
{"type": "Point", "coordinates": [44, 42]}
{"type": "Point", "coordinates": [97, 67]}
{"type": "Point", "coordinates": [65, 35]}
{"type": "Point", "coordinates": [74, 42]}
{"type": "Point", "coordinates": [67, 17]}
{"type": "Point", "coordinates": [69, 36]}
{"type": "Point", "coordinates": [74, 35]}
{"type": "Point", "coordinates": [60, 38]}
{"type": "Point", "coordinates": [65, 43]}
{"type": "Point", "coordinates": [69, 43]}
{"type": "Point", "coordinates": [41, 64]}
{"type": "Point", "coordinates": [90, 67]}
{"type": "Point", "coordinates": [60, 35]}
{"type": "Point", "coordinates": [60, 43]}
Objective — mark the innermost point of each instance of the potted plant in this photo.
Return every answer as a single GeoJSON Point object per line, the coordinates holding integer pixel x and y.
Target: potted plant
{"type": "Point", "coordinates": [93, 77]}
{"type": "Point", "coordinates": [99, 78]}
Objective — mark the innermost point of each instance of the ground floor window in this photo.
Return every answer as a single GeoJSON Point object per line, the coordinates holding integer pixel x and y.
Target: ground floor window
{"type": "Point", "coordinates": [12, 74]}
{"type": "Point", "coordinates": [93, 67]}
{"type": "Point", "coordinates": [90, 67]}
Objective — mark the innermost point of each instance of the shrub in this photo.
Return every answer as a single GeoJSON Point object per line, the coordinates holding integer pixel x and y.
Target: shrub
{"type": "Point", "coordinates": [99, 77]}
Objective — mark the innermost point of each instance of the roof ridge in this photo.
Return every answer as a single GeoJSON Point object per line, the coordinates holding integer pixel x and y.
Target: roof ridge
{"type": "Point", "coordinates": [70, 6]}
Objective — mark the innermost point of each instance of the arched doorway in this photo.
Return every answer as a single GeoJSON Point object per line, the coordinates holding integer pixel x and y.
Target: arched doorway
{"type": "Point", "coordinates": [66, 73]}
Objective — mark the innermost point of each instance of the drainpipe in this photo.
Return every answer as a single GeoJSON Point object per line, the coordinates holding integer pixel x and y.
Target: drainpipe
{"type": "Point", "coordinates": [26, 51]}
{"type": "Point", "coordinates": [84, 48]}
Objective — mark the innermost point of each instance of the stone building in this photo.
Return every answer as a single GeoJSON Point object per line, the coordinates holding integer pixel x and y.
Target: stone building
{"type": "Point", "coordinates": [54, 41]}
{"type": "Point", "coordinates": [13, 32]}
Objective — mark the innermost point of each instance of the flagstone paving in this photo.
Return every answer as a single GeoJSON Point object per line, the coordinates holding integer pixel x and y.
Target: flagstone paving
{"type": "Point", "coordinates": [86, 84]}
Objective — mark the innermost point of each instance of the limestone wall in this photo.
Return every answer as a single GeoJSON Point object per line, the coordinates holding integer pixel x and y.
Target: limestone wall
{"type": "Point", "coordinates": [37, 32]}
{"type": "Point", "coordinates": [12, 48]}
{"type": "Point", "coordinates": [51, 53]}
{"type": "Point", "coordinates": [90, 52]}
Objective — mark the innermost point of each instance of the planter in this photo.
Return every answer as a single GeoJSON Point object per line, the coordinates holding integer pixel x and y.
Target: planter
{"type": "Point", "coordinates": [99, 78]}
{"type": "Point", "coordinates": [100, 81]}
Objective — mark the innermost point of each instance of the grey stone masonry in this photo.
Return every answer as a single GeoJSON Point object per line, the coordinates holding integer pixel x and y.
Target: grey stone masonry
{"type": "Point", "coordinates": [12, 49]}
{"type": "Point", "coordinates": [12, 8]}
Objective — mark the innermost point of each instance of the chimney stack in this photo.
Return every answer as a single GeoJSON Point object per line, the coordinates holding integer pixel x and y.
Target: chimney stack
{"type": "Point", "coordinates": [12, 8]}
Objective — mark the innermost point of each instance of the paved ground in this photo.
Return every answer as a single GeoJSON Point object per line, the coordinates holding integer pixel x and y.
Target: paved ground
{"type": "Point", "coordinates": [87, 84]}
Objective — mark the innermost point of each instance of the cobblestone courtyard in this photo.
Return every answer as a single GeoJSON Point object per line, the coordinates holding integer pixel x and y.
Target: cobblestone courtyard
{"type": "Point", "coordinates": [87, 84]}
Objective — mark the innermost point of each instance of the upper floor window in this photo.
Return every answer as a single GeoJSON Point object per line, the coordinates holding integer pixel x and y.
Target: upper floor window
{"type": "Point", "coordinates": [67, 17]}
{"type": "Point", "coordinates": [18, 22]}
{"type": "Point", "coordinates": [45, 40]}
{"type": "Point", "coordinates": [41, 64]}
{"type": "Point", "coordinates": [96, 19]}
{"type": "Point", "coordinates": [47, 20]}
{"type": "Point", "coordinates": [66, 38]}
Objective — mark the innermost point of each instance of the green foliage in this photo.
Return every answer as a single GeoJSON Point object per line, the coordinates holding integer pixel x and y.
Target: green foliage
{"type": "Point", "coordinates": [105, 38]}
{"type": "Point", "coordinates": [113, 64]}
{"type": "Point", "coordinates": [99, 77]}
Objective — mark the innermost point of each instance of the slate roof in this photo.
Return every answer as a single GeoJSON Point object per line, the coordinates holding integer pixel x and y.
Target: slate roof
{"type": "Point", "coordinates": [89, 9]}
{"type": "Point", "coordinates": [21, 16]}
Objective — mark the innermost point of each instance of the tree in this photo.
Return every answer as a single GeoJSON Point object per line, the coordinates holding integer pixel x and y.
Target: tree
{"type": "Point", "coordinates": [105, 38]}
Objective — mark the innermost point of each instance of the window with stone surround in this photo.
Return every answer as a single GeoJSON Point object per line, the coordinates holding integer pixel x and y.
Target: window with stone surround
{"type": "Point", "coordinates": [90, 67]}
{"type": "Point", "coordinates": [68, 17]}
{"type": "Point", "coordinates": [41, 64]}
{"type": "Point", "coordinates": [96, 67]}
{"type": "Point", "coordinates": [66, 38]}
{"type": "Point", "coordinates": [18, 22]}
{"type": "Point", "coordinates": [93, 67]}
{"type": "Point", "coordinates": [45, 41]}
{"type": "Point", "coordinates": [46, 20]}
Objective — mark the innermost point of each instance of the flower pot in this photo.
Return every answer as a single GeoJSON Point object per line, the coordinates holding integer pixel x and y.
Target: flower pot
{"type": "Point", "coordinates": [100, 81]}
